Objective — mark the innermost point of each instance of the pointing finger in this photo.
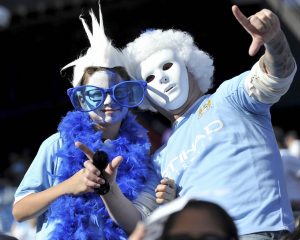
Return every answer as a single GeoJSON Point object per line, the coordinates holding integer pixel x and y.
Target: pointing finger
{"type": "Point", "coordinates": [85, 149]}
{"type": "Point", "coordinates": [114, 164]}
{"type": "Point", "coordinates": [242, 19]}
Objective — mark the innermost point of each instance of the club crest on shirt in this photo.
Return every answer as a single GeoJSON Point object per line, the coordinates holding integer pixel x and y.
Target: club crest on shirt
{"type": "Point", "coordinates": [206, 106]}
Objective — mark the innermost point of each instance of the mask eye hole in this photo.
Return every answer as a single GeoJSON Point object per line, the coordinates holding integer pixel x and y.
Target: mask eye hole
{"type": "Point", "coordinates": [167, 66]}
{"type": "Point", "coordinates": [150, 78]}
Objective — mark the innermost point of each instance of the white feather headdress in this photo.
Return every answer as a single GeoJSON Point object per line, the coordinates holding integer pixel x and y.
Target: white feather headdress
{"type": "Point", "coordinates": [198, 62]}
{"type": "Point", "coordinates": [101, 53]}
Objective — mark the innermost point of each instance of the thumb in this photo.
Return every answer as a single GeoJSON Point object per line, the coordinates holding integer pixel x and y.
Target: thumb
{"type": "Point", "coordinates": [115, 163]}
{"type": "Point", "coordinates": [85, 149]}
{"type": "Point", "coordinates": [255, 46]}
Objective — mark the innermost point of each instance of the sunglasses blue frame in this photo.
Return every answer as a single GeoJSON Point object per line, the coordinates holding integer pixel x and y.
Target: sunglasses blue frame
{"type": "Point", "coordinates": [88, 98]}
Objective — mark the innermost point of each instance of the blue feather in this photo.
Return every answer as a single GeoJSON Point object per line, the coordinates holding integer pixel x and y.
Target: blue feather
{"type": "Point", "coordinates": [84, 217]}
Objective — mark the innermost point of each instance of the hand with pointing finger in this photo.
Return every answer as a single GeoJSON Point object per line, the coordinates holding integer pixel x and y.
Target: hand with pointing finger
{"type": "Point", "coordinates": [110, 171]}
{"type": "Point", "coordinates": [262, 26]}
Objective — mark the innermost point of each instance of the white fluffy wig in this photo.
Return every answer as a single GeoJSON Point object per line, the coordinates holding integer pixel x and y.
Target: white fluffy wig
{"type": "Point", "coordinates": [101, 53]}
{"type": "Point", "coordinates": [198, 62]}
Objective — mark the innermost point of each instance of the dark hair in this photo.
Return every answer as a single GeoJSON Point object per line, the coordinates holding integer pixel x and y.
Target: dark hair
{"type": "Point", "coordinates": [220, 216]}
{"type": "Point", "coordinates": [292, 134]}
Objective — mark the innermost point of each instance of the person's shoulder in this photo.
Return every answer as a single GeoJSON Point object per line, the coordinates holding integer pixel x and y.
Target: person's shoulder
{"type": "Point", "coordinates": [288, 157]}
{"type": "Point", "coordinates": [52, 141]}
{"type": "Point", "coordinates": [52, 138]}
{"type": "Point", "coordinates": [231, 84]}
{"type": "Point", "coordinates": [284, 153]}
{"type": "Point", "coordinates": [236, 79]}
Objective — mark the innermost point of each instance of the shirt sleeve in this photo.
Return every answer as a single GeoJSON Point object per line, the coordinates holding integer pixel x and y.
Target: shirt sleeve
{"type": "Point", "coordinates": [146, 201]}
{"type": "Point", "coordinates": [266, 88]}
{"type": "Point", "coordinates": [39, 175]}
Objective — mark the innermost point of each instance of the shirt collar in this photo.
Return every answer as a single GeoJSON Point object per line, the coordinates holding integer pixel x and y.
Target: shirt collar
{"type": "Point", "coordinates": [184, 116]}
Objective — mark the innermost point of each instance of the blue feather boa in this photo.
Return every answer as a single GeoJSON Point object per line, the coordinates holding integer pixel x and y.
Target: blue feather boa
{"type": "Point", "coordinates": [84, 217]}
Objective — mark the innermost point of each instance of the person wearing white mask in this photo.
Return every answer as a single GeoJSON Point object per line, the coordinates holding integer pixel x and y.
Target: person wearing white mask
{"type": "Point", "coordinates": [222, 147]}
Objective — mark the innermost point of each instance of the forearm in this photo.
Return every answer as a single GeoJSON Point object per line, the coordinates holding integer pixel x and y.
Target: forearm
{"type": "Point", "coordinates": [120, 209]}
{"type": "Point", "coordinates": [278, 60]}
{"type": "Point", "coordinates": [272, 76]}
{"type": "Point", "coordinates": [35, 203]}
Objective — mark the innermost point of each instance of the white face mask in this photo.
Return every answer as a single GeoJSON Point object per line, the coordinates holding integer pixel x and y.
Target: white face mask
{"type": "Point", "coordinates": [167, 78]}
{"type": "Point", "coordinates": [110, 112]}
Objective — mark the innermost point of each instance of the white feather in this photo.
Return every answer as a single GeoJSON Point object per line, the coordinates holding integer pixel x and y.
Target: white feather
{"type": "Point", "coordinates": [101, 52]}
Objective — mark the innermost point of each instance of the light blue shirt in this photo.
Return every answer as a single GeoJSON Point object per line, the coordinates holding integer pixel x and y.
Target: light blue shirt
{"type": "Point", "coordinates": [39, 177]}
{"type": "Point", "coordinates": [291, 167]}
{"type": "Point", "coordinates": [40, 174]}
{"type": "Point", "coordinates": [224, 150]}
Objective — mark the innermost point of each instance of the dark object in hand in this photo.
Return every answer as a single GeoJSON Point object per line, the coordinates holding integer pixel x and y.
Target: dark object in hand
{"type": "Point", "coordinates": [100, 160]}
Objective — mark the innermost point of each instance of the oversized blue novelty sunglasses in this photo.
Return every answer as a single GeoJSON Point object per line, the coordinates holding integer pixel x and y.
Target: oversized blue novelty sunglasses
{"type": "Point", "coordinates": [87, 98]}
